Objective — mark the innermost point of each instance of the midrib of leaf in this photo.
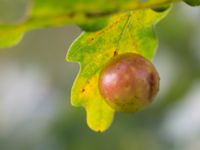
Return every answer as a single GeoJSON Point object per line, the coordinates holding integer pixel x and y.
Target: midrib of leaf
{"type": "Point", "coordinates": [122, 32]}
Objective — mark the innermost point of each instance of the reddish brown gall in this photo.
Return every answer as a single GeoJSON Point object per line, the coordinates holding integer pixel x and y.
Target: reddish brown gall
{"type": "Point", "coordinates": [129, 82]}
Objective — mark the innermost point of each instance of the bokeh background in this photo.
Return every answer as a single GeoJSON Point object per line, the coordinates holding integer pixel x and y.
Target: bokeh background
{"type": "Point", "coordinates": [35, 83]}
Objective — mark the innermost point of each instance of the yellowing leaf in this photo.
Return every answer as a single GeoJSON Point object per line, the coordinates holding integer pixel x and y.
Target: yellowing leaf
{"type": "Point", "coordinates": [126, 32]}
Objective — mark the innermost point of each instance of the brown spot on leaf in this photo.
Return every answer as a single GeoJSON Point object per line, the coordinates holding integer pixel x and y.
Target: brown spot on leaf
{"type": "Point", "coordinates": [72, 14]}
{"type": "Point", "coordinates": [83, 90]}
{"type": "Point", "coordinates": [115, 53]}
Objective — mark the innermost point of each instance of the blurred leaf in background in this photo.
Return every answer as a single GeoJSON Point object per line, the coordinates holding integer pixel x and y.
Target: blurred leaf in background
{"type": "Point", "coordinates": [18, 17]}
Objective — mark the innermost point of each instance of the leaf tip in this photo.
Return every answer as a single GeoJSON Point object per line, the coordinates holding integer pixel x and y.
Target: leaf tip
{"type": "Point", "coordinates": [100, 120]}
{"type": "Point", "coordinates": [97, 129]}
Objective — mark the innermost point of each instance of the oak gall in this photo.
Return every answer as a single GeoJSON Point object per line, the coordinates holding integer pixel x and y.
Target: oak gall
{"type": "Point", "coordinates": [129, 82]}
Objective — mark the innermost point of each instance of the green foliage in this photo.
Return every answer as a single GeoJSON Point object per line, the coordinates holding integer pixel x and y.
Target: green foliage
{"type": "Point", "coordinates": [161, 8]}
{"type": "Point", "coordinates": [126, 32]}
{"type": "Point", "coordinates": [10, 35]}
{"type": "Point", "coordinates": [192, 2]}
{"type": "Point", "coordinates": [94, 25]}
{"type": "Point", "coordinates": [47, 13]}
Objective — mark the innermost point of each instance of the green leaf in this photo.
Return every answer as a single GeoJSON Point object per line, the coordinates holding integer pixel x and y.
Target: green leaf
{"type": "Point", "coordinates": [51, 13]}
{"type": "Point", "coordinates": [192, 2]}
{"type": "Point", "coordinates": [94, 25]}
{"type": "Point", "coordinates": [9, 35]}
{"type": "Point", "coordinates": [161, 8]}
{"type": "Point", "coordinates": [126, 32]}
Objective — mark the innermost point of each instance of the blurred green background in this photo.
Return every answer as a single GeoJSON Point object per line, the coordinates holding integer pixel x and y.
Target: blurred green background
{"type": "Point", "coordinates": [35, 83]}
